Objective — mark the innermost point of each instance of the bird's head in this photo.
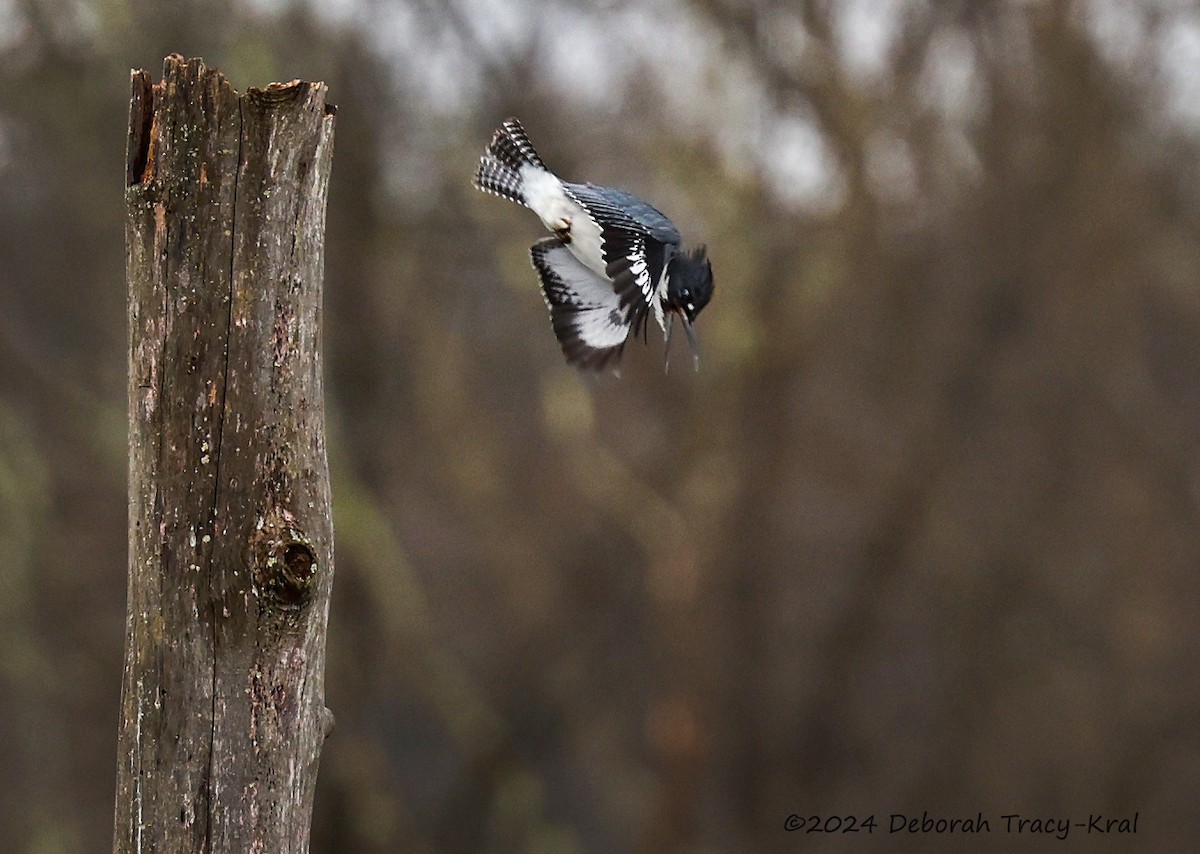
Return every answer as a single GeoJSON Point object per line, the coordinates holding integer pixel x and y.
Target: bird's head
{"type": "Point", "coordinates": [689, 288]}
{"type": "Point", "coordinates": [689, 284]}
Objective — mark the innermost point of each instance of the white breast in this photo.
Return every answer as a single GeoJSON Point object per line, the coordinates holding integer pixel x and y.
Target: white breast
{"type": "Point", "coordinates": [544, 194]}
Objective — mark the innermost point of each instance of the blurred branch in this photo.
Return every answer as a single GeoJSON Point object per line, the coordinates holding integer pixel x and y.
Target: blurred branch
{"type": "Point", "coordinates": [27, 671]}
{"type": "Point", "coordinates": [479, 733]}
{"type": "Point", "coordinates": [366, 537]}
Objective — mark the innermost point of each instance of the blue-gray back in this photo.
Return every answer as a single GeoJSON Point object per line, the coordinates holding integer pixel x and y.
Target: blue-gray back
{"type": "Point", "coordinates": [624, 210]}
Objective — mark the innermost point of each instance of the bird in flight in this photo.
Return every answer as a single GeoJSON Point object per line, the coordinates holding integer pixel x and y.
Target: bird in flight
{"type": "Point", "coordinates": [613, 259]}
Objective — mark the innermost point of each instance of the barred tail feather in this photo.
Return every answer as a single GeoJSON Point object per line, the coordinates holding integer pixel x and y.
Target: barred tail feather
{"type": "Point", "coordinates": [499, 169]}
{"type": "Point", "coordinates": [511, 146]}
{"type": "Point", "coordinates": [492, 176]}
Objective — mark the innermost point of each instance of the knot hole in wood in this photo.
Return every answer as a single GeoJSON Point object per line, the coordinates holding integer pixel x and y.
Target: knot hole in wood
{"type": "Point", "coordinates": [299, 566]}
{"type": "Point", "coordinates": [287, 564]}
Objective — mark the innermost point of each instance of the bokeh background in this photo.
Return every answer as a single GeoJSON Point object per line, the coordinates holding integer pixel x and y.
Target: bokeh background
{"type": "Point", "coordinates": [921, 535]}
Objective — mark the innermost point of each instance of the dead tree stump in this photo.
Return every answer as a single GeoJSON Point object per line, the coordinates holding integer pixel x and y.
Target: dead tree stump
{"type": "Point", "coordinates": [230, 530]}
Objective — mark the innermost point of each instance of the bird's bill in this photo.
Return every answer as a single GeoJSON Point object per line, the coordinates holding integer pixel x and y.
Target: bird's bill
{"type": "Point", "coordinates": [693, 343]}
{"type": "Point", "coordinates": [691, 337]}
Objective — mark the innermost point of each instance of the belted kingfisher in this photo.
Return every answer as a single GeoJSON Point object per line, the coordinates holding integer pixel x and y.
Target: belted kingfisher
{"type": "Point", "coordinates": [612, 260]}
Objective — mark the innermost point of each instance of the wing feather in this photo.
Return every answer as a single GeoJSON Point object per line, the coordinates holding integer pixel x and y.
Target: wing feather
{"type": "Point", "coordinates": [637, 242]}
{"type": "Point", "coordinates": [587, 315]}
{"type": "Point", "coordinates": [635, 267]}
{"type": "Point", "coordinates": [624, 210]}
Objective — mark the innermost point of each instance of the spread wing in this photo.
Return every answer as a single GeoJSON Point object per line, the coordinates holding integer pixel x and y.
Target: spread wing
{"type": "Point", "coordinates": [588, 317]}
{"type": "Point", "coordinates": [619, 209]}
{"type": "Point", "coordinates": [637, 241]}
{"type": "Point", "coordinates": [636, 265]}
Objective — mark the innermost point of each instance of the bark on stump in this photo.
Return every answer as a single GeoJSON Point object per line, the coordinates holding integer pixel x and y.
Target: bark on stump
{"type": "Point", "coordinates": [230, 528]}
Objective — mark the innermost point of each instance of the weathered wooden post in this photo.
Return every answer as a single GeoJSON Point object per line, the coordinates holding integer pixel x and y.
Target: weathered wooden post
{"type": "Point", "coordinates": [230, 529]}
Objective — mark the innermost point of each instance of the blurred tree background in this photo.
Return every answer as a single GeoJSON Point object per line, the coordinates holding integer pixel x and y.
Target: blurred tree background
{"type": "Point", "coordinates": [922, 534]}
